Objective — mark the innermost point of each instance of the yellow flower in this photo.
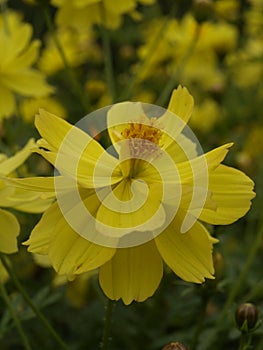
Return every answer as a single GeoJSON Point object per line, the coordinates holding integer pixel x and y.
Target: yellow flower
{"type": "Point", "coordinates": [128, 209]}
{"type": "Point", "coordinates": [19, 199]}
{"type": "Point", "coordinates": [17, 55]}
{"type": "Point", "coordinates": [80, 14]}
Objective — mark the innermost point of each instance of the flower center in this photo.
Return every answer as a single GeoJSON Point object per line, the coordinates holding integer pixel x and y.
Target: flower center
{"type": "Point", "coordinates": [143, 139]}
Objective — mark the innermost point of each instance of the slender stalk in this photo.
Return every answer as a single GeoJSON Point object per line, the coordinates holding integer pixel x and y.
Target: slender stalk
{"type": "Point", "coordinates": [238, 285]}
{"type": "Point", "coordinates": [166, 91]}
{"type": "Point", "coordinates": [36, 311]}
{"type": "Point", "coordinates": [107, 325]}
{"type": "Point", "coordinates": [17, 322]}
{"type": "Point", "coordinates": [76, 87]}
{"type": "Point", "coordinates": [107, 54]}
{"type": "Point", "coordinates": [245, 341]}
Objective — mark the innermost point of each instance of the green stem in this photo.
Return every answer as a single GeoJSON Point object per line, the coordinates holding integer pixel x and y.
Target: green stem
{"type": "Point", "coordinates": [36, 311]}
{"type": "Point", "coordinates": [199, 325]}
{"type": "Point", "coordinates": [107, 325]}
{"type": "Point", "coordinates": [14, 316]}
{"type": "Point", "coordinates": [237, 286]}
{"type": "Point", "coordinates": [166, 91]}
{"type": "Point", "coordinates": [76, 87]}
{"type": "Point", "coordinates": [109, 71]}
{"type": "Point", "coordinates": [245, 341]}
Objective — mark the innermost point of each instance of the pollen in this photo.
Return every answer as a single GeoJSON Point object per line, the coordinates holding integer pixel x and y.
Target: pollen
{"type": "Point", "coordinates": [144, 139]}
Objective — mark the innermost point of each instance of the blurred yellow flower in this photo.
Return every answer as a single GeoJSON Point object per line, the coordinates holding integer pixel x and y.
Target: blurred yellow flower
{"type": "Point", "coordinates": [80, 14]}
{"type": "Point", "coordinates": [205, 115]}
{"type": "Point", "coordinates": [11, 197]}
{"type": "Point", "coordinates": [29, 107]}
{"type": "Point", "coordinates": [138, 204]}
{"type": "Point", "coordinates": [17, 55]}
{"type": "Point", "coordinates": [77, 47]}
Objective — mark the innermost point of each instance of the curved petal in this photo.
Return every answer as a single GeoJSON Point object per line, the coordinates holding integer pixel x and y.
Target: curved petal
{"type": "Point", "coordinates": [132, 274]}
{"type": "Point", "coordinates": [78, 155]}
{"type": "Point", "coordinates": [189, 255]}
{"type": "Point", "coordinates": [10, 164]}
{"type": "Point", "coordinates": [68, 252]}
{"type": "Point", "coordinates": [8, 232]}
{"type": "Point", "coordinates": [176, 117]}
{"type": "Point", "coordinates": [232, 192]}
{"type": "Point", "coordinates": [130, 207]}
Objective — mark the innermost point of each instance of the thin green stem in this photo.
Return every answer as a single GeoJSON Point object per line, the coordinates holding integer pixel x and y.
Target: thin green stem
{"type": "Point", "coordinates": [13, 314]}
{"type": "Point", "coordinates": [245, 341]}
{"type": "Point", "coordinates": [36, 311]}
{"type": "Point", "coordinates": [166, 91]}
{"type": "Point", "coordinates": [237, 286]}
{"type": "Point", "coordinates": [107, 54]}
{"type": "Point", "coordinates": [107, 325]}
{"type": "Point", "coordinates": [76, 87]}
{"type": "Point", "coordinates": [199, 325]}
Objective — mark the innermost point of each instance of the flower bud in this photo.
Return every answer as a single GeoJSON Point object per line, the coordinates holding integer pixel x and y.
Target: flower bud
{"type": "Point", "coordinates": [174, 346]}
{"type": "Point", "coordinates": [246, 316]}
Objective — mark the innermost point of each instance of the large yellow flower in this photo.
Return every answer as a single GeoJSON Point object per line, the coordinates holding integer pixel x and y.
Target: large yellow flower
{"type": "Point", "coordinates": [128, 209]}
{"type": "Point", "coordinates": [17, 55]}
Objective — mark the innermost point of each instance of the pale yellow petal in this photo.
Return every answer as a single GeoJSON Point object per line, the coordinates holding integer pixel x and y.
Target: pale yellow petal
{"type": "Point", "coordinates": [181, 103]}
{"type": "Point", "coordinates": [132, 274]}
{"type": "Point", "coordinates": [188, 254]}
{"type": "Point", "coordinates": [232, 192]}
{"type": "Point", "coordinates": [7, 108]}
{"type": "Point", "coordinates": [10, 164]}
{"type": "Point", "coordinates": [8, 232]}
{"type": "Point", "coordinates": [28, 82]}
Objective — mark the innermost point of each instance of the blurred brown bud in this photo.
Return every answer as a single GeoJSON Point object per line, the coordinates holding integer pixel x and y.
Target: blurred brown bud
{"type": "Point", "coordinates": [203, 9]}
{"type": "Point", "coordinates": [246, 316]}
{"type": "Point", "coordinates": [218, 264]}
{"type": "Point", "coordinates": [174, 346]}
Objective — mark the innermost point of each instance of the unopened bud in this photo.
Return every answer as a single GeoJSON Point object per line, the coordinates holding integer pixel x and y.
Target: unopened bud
{"type": "Point", "coordinates": [246, 316]}
{"type": "Point", "coordinates": [174, 346]}
{"type": "Point", "coordinates": [202, 9]}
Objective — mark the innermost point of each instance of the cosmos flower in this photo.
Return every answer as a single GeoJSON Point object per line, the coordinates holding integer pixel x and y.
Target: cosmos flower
{"type": "Point", "coordinates": [17, 54]}
{"type": "Point", "coordinates": [128, 209]}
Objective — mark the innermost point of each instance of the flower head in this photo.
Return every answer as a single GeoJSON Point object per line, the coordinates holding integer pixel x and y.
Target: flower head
{"type": "Point", "coordinates": [128, 208]}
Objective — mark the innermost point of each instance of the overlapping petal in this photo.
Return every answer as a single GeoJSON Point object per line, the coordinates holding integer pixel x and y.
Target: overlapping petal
{"type": "Point", "coordinates": [8, 233]}
{"type": "Point", "coordinates": [189, 255]}
{"type": "Point", "coordinates": [132, 274]}
{"type": "Point", "coordinates": [232, 191]}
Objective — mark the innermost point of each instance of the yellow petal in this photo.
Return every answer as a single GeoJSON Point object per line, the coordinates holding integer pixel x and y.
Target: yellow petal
{"type": "Point", "coordinates": [130, 207]}
{"type": "Point", "coordinates": [7, 108]}
{"type": "Point", "coordinates": [79, 156]}
{"type": "Point", "coordinates": [188, 254]}
{"type": "Point", "coordinates": [28, 82]}
{"type": "Point", "coordinates": [174, 120]}
{"type": "Point", "coordinates": [72, 254]}
{"type": "Point", "coordinates": [181, 103]}
{"type": "Point", "coordinates": [132, 274]}
{"type": "Point", "coordinates": [8, 233]}
{"type": "Point", "coordinates": [232, 192]}
{"type": "Point", "coordinates": [41, 235]}
{"type": "Point", "coordinates": [10, 164]}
